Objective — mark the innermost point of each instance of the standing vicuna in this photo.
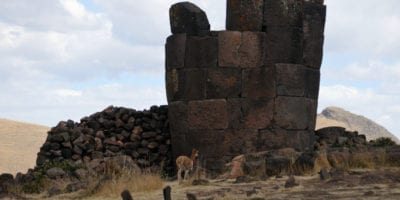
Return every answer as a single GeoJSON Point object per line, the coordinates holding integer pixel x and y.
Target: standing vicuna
{"type": "Point", "coordinates": [185, 164]}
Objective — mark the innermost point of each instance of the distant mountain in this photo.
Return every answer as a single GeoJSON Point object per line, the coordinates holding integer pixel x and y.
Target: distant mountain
{"type": "Point", "coordinates": [334, 116]}
{"type": "Point", "coordinates": [19, 144]}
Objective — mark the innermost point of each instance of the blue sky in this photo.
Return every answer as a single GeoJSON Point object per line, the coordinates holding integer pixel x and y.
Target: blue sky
{"type": "Point", "coordinates": [65, 59]}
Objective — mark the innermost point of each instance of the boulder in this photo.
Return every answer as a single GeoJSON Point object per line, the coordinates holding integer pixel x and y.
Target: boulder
{"type": "Point", "coordinates": [186, 17]}
{"type": "Point", "coordinates": [55, 173]}
{"type": "Point", "coordinates": [6, 181]}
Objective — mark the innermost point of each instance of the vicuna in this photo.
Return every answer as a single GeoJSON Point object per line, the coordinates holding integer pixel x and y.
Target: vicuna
{"type": "Point", "coordinates": [185, 164]}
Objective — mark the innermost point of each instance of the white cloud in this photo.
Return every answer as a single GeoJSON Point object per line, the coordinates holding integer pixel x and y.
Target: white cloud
{"type": "Point", "coordinates": [60, 60]}
{"type": "Point", "coordinates": [68, 93]}
{"type": "Point", "coordinates": [369, 27]}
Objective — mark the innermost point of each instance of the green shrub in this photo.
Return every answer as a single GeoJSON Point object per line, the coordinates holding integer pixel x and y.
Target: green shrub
{"type": "Point", "coordinates": [37, 185]}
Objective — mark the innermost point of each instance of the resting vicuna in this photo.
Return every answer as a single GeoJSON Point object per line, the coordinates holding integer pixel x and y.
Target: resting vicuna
{"type": "Point", "coordinates": [185, 164]}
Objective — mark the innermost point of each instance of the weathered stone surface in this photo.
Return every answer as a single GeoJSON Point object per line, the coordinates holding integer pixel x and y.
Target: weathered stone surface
{"type": "Point", "coordinates": [312, 83]}
{"type": "Point", "coordinates": [187, 18]}
{"type": "Point", "coordinates": [228, 48]}
{"type": "Point", "coordinates": [283, 13]}
{"type": "Point", "coordinates": [55, 172]}
{"type": "Point", "coordinates": [297, 80]}
{"type": "Point", "coordinates": [175, 51]}
{"type": "Point", "coordinates": [180, 145]}
{"type": "Point", "coordinates": [223, 83]}
{"type": "Point", "coordinates": [290, 80]}
{"type": "Point", "coordinates": [277, 138]}
{"type": "Point", "coordinates": [259, 82]}
{"type": "Point", "coordinates": [201, 52]}
{"type": "Point", "coordinates": [252, 50]}
{"type": "Point", "coordinates": [207, 141]}
{"type": "Point", "coordinates": [244, 15]}
{"type": "Point", "coordinates": [192, 84]}
{"type": "Point", "coordinates": [313, 28]}
{"type": "Point", "coordinates": [208, 114]}
{"type": "Point", "coordinates": [178, 117]}
{"type": "Point", "coordinates": [295, 113]}
{"type": "Point", "coordinates": [81, 173]}
{"type": "Point", "coordinates": [239, 141]}
{"type": "Point", "coordinates": [284, 45]}
{"type": "Point", "coordinates": [330, 135]}
{"type": "Point", "coordinates": [257, 113]}
{"type": "Point", "coordinates": [234, 106]}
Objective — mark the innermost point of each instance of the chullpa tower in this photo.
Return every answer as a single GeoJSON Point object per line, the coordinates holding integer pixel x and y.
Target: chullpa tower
{"type": "Point", "coordinates": [253, 87]}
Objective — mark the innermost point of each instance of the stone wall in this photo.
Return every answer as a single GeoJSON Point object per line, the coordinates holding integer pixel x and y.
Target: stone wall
{"type": "Point", "coordinates": [251, 88]}
{"type": "Point", "coordinates": [115, 131]}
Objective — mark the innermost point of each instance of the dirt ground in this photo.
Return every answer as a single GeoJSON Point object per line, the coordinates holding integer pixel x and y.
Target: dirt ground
{"type": "Point", "coordinates": [382, 184]}
{"type": "Point", "coordinates": [352, 185]}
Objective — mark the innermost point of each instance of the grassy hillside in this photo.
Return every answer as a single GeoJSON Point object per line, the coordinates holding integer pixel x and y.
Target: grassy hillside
{"type": "Point", "coordinates": [19, 145]}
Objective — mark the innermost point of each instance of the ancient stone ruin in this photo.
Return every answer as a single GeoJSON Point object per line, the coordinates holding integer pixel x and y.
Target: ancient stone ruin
{"type": "Point", "coordinates": [114, 132]}
{"type": "Point", "coordinates": [250, 88]}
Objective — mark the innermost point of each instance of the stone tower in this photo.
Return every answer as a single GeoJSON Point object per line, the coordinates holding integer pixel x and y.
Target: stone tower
{"type": "Point", "coordinates": [251, 88]}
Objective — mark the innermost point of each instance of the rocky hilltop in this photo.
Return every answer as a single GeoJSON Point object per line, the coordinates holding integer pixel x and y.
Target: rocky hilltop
{"type": "Point", "coordinates": [335, 116]}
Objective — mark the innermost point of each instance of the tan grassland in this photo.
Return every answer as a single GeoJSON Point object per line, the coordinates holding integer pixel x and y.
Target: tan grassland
{"type": "Point", "coordinates": [19, 144]}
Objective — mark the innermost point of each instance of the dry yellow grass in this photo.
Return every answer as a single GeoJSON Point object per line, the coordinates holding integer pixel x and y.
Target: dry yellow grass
{"type": "Point", "coordinates": [144, 182]}
{"type": "Point", "coordinates": [19, 145]}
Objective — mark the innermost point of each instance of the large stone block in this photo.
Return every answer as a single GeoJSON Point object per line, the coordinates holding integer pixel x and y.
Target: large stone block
{"type": "Point", "coordinates": [257, 113]}
{"type": "Point", "coordinates": [223, 83]}
{"type": "Point", "coordinates": [187, 18]}
{"type": "Point", "coordinates": [297, 80]}
{"type": "Point", "coordinates": [192, 84]}
{"type": "Point", "coordinates": [180, 146]}
{"type": "Point", "coordinates": [312, 83]}
{"type": "Point", "coordinates": [290, 80]}
{"type": "Point", "coordinates": [172, 85]}
{"type": "Point", "coordinates": [295, 113]}
{"type": "Point", "coordinates": [284, 45]}
{"type": "Point", "coordinates": [208, 142]}
{"type": "Point", "coordinates": [244, 15]}
{"type": "Point", "coordinates": [313, 28]}
{"type": "Point", "coordinates": [234, 106]}
{"type": "Point", "coordinates": [201, 52]}
{"type": "Point", "coordinates": [283, 13]}
{"type": "Point", "coordinates": [258, 82]}
{"type": "Point", "coordinates": [252, 49]}
{"type": "Point", "coordinates": [277, 138]}
{"type": "Point", "coordinates": [178, 118]}
{"type": "Point", "coordinates": [240, 141]}
{"type": "Point", "coordinates": [208, 114]}
{"type": "Point", "coordinates": [228, 48]}
{"type": "Point", "coordinates": [175, 51]}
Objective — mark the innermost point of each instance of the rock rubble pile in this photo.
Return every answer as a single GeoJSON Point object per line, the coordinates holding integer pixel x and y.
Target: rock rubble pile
{"type": "Point", "coordinates": [143, 135]}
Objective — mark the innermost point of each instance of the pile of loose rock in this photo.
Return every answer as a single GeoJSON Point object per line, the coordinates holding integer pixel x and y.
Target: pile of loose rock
{"type": "Point", "coordinates": [142, 135]}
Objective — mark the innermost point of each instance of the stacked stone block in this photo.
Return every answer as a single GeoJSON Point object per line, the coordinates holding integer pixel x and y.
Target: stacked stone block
{"type": "Point", "coordinates": [116, 131]}
{"type": "Point", "coordinates": [251, 88]}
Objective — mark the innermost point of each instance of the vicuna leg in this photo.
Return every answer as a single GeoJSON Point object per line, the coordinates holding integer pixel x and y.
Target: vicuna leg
{"type": "Point", "coordinates": [186, 175]}
{"type": "Point", "coordinates": [179, 176]}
